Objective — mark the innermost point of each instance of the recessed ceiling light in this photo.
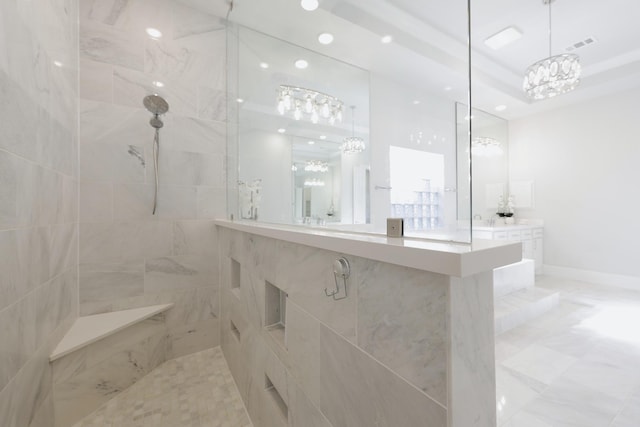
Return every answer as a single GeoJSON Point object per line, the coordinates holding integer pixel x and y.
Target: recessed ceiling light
{"type": "Point", "coordinates": [323, 137]}
{"type": "Point", "coordinates": [239, 100]}
{"type": "Point", "coordinates": [503, 38]}
{"type": "Point", "coordinates": [264, 65]}
{"type": "Point", "coordinates": [154, 33]}
{"type": "Point", "coordinates": [386, 39]}
{"type": "Point", "coordinates": [158, 84]}
{"type": "Point", "coordinates": [447, 88]}
{"type": "Point", "coordinates": [501, 107]}
{"type": "Point", "coordinates": [416, 102]}
{"type": "Point", "coordinates": [311, 142]}
{"type": "Point", "coordinates": [301, 64]}
{"type": "Point", "coordinates": [282, 130]}
{"type": "Point", "coordinates": [309, 5]}
{"type": "Point", "coordinates": [57, 63]}
{"type": "Point", "coordinates": [325, 38]}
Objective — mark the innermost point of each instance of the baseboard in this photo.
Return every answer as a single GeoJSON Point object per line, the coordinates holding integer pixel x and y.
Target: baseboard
{"type": "Point", "coordinates": [596, 277]}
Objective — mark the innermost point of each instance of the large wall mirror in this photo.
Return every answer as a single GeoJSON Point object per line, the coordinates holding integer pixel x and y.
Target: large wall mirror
{"type": "Point", "coordinates": [303, 134]}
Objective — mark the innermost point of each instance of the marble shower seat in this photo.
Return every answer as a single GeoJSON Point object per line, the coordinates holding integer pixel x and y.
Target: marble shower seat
{"type": "Point", "coordinates": [104, 354]}
{"type": "Point", "coordinates": [89, 329]}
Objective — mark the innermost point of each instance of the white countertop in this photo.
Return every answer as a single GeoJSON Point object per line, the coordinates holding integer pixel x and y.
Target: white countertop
{"type": "Point", "coordinates": [453, 259]}
{"type": "Point", "coordinates": [513, 227]}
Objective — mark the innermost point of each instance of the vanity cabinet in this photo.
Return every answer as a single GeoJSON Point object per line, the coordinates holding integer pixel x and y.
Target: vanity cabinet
{"type": "Point", "coordinates": [531, 237]}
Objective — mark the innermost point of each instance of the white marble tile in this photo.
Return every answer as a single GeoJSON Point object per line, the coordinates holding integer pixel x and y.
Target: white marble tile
{"type": "Point", "coordinates": [185, 168]}
{"type": "Point", "coordinates": [303, 343]}
{"type": "Point", "coordinates": [304, 273]}
{"type": "Point", "coordinates": [111, 162]}
{"type": "Point", "coordinates": [302, 411]}
{"type": "Point", "coordinates": [108, 281]}
{"type": "Point", "coordinates": [135, 202]}
{"type": "Point", "coordinates": [99, 42]}
{"type": "Point", "coordinates": [55, 303]}
{"type": "Point", "coordinates": [114, 124]}
{"type": "Point", "coordinates": [96, 201]}
{"type": "Point", "coordinates": [96, 80]}
{"type": "Point", "coordinates": [64, 248]}
{"type": "Point", "coordinates": [512, 394]}
{"type": "Point", "coordinates": [192, 22]}
{"type": "Point", "coordinates": [17, 138]}
{"type": "Point", "coordinates": [212, 104]}
{"type": "Point", "coordinates": [194, 135]}
{"type": "Point", "coordinates": [33, 387]}
{"type": "Point", "coordinates": [540, 363]}
{"type": "Point", "coordinates": [178, 273]}
{"type": "Point", "coordinates": [630, 414]}
{"type": "Point", "coordinates": [18, 335]}
{"type": "Point", "coordinates": [196, 238]}
{"type": "Point", "coordinates": [106, 242]}
{"type": "Point", "coordinates": [130, 87]}
{"type": "Point", "coordinates": [132, 16]}
{"type": "Point", "coordinates": [471, 368]}
{"type": "Point", "coordinates": [212, 202]}
{"type": "Point", "coordinates": [602, 377]}
{"type": "Point", "coordinates": [189, 339]}
{"type": "Point", "coordinates": [358, 391]}
{"type": "Point", "coordinates": [568, 404]}
{"type": "Point", "coordinates": [404, 328]}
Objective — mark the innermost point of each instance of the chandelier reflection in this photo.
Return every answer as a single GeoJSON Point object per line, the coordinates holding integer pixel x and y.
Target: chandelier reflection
{"type": "Point", "coordinates": [313, 182]}
{"type": "Point", "coordinates": [309, 104]}
{"type": "Point", "coordinates": [316, 166]}
{"type": "Point", "coordinates": [483, 146]}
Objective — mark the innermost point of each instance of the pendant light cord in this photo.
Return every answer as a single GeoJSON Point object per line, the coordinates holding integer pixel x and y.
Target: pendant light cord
{"type": "Point", "coordinates": [550, 1]}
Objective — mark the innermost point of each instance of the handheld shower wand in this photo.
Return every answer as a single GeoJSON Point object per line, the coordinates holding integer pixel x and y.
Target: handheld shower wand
{"type": "Point", "coordinates": [157, 106]}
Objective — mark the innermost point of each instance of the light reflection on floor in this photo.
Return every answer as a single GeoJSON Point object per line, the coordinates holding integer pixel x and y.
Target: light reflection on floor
{"type": "Point", "coordinates": [578, 365]}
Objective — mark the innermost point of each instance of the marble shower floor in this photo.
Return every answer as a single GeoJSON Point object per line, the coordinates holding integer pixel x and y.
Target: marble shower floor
{"type": "Point", "coordinates": [576, 366]}
{"type": "Point", "coordinates": [191, 391]}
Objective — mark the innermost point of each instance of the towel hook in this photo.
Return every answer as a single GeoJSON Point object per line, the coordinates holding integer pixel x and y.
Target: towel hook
{"type": "Point", "coordinates": [341, 269]}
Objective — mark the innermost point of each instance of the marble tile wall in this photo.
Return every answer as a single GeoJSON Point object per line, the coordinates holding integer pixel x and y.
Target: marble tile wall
{"type": "Point", "coordinates": [129, 257]}
{"type": "Point", "coordinates": [38, 200]}
{"type": "Point", "coordinates": [377, 358]}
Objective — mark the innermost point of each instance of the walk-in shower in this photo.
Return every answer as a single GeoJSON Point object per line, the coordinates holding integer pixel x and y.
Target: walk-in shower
{"type": "Point", "coordinates": [157, 106]}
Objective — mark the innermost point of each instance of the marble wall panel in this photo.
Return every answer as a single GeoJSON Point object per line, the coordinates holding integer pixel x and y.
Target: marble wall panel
{"type": "Point", "coordinates": [303, 343]}
{"type": "Point", "coordinates": [38, 199]}
{"type": "Point", "coordinates": [178, 273]}
{"type": "Point", "coordinates": [356, 390]}
{"type": "Point", "coordinates": [18, 330]}
{"type": "Point", "coordinates": [411, 339]}
{"type": "Point", "coordinates": [471, 351]}
{"type": "Point", "coordinates": [100, 281]}
{"type": "Point", "coordinates": [118, 65]}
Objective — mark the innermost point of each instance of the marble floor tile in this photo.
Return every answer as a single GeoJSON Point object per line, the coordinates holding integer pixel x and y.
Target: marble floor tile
{"type": "Point", "coordinates": [577, 365]}
{"type": "Point", "coordinates": [194, 390]}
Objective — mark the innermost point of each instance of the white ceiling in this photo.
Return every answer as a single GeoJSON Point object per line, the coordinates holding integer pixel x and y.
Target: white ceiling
{"type": "Point", "coordinates": [429, 48]}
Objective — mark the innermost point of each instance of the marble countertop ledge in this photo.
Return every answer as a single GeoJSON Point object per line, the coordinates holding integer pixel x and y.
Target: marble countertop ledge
{"type": "Point", "coordinates": [452, 259]}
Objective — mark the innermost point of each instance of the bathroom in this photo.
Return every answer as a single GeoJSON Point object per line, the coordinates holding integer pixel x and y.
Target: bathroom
{"type": "Point", "coordinates": [78, 236]}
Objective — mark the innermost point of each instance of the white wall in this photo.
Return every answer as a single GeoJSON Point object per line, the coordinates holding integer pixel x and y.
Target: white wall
{"type": "Point", "coordinates": [267, 156]}
{"type": "Point", "coordinates": [585, 164]}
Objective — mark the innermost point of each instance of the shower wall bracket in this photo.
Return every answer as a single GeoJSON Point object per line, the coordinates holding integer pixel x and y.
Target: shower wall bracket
{"type": "Point", "coordinates": [341, 272]}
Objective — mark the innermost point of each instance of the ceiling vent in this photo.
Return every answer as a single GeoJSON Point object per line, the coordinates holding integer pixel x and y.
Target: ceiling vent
{"type": "Point", "coordinates": [582, 43]}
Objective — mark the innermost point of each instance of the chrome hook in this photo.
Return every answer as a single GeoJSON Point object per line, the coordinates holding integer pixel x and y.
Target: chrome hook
{"type": "Point", "coordinates": [341, 269]}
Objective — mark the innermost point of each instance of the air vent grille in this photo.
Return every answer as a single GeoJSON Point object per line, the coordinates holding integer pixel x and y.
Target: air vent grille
{"type": "Point", "coordinates": [582, 43]}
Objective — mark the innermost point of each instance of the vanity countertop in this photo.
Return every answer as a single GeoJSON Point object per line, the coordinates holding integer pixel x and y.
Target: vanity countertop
{"type": "Point", "coordinates": [450, 258]}
{"type": "Point", "coordinates": [506, 227]}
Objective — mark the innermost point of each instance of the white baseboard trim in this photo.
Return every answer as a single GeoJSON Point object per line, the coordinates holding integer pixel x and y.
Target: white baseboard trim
{"type": "Point", "coordinates": [596, 277]}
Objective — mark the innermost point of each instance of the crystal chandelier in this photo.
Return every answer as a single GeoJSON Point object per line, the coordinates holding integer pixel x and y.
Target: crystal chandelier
{"type": "Point", "coordinates": [310, 104]}
{"type": "Point", "coordinates": [554, 75]}
{"type": "Point", "coordinates": [313, 182]}
{"type": "Point", "coordinates": [316, 166]}
{"type": "Point", "coordinates": [485, 147]}
{"type": "Point", "coordinates": [353, 144]}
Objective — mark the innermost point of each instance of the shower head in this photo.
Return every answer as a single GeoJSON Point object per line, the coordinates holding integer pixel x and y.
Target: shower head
{"type": "Point", "coordinates": [155, 104]}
